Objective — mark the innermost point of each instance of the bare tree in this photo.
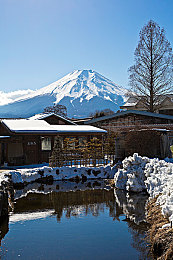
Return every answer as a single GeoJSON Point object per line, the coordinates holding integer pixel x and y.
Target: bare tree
{"type": "Point", "coordinates": [151, 78]}
{"type": "Point", "coordinates": [57, 109]}
{"type": "Point", "coordinates": [100, 113]}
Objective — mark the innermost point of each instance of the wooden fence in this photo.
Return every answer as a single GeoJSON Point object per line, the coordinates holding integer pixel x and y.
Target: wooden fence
{"type": "Point", "coordinates": [71, 152]}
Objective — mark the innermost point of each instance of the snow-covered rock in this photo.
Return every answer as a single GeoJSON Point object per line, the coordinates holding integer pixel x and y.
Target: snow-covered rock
{"type": "Point", "coordinates": [82, 92]}
{"type": "Point", "coordinates": [29, 175]}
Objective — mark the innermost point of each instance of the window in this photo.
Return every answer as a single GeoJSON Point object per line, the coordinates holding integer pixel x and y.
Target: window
{"type": "Point", "coordinates": [46, 144]}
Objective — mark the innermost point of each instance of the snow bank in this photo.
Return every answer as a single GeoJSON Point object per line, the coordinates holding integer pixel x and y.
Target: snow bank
{"type": "Point", "coordinates": [160, 181]}
{"type": "Point", "coordinates": [153, 175]}
{"type": "Point", "coordinates": [131, 177]}
{"type": "Point", "coordinates": [59, 173]}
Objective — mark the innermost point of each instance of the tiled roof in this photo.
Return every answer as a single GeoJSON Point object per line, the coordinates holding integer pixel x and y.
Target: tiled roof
{"type": "Point", "coordinates": [127, 112]}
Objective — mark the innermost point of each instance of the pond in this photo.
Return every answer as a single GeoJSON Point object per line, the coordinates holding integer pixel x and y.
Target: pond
{"type": "Point", "coordinates": [74, 221]}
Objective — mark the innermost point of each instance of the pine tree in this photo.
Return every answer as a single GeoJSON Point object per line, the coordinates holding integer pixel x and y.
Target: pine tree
{"type": "Point", "coordinates": [57, 157]}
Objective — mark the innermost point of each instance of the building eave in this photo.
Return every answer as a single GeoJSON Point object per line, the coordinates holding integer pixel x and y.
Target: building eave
{"type": "Point", "coordinates": [123, 113]}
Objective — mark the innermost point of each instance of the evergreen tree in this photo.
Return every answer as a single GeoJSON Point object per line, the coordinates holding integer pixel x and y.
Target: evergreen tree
{"type": "Point", "coordinates": [57, 157]}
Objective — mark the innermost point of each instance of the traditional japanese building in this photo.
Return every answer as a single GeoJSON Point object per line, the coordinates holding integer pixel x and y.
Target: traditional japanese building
{"type": "Point", "coordinates": [131, 119]}
{"type": "Point", "coordinates": [165, 104]}
{"type": "Point", "coordinates": [140, 127]}
{"type": "Point", "coordinates": [30, 141]}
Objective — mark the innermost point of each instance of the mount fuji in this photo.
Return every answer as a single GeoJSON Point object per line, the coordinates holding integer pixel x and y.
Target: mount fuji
{"type": "Point", "coordinates": [82, 92]}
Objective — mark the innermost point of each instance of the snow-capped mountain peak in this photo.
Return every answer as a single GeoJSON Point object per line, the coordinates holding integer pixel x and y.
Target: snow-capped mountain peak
{"type": "Point", "coordinates": [80, 83]}
{"type": "Point", "coordinates": [81, 91]}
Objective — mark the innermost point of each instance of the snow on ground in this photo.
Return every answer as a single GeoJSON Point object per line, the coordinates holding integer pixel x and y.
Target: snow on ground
{"type": "Point", "coordinates": [131, 177]}
{"type": "Point", "coordinates": [153, 175]}
{"type": "Point", "coordinates": [28, 175]}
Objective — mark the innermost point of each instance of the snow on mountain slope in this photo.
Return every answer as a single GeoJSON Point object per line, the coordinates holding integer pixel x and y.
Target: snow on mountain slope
{"type": "Point", "coordinates": [82, 92]}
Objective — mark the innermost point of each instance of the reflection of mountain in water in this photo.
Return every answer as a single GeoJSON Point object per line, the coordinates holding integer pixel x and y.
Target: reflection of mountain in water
{"type": "Point", "coordinates": [84, 202]}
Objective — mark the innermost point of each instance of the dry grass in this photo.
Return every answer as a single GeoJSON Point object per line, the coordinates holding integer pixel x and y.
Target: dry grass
{"type": "Point", "coordinates": [161, 239]}
{"type": "Point", "coordinates": [110, 182]}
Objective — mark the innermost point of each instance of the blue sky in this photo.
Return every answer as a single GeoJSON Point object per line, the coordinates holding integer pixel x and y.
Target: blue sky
{"type": "Point", "coordinates": [43, 40]}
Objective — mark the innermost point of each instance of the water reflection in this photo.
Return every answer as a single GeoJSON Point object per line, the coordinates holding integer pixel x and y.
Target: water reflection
{"type": "Point", "coordinates": [132, 205]}
{"type": "Point", "coordinates": [60, 186]}
{"type": "Point", "coordinates": [70, 203]}
{"type": "Point", "coordinates": [139, 241]}
{"type": "Point", "coordinates": [3, 228]}
{"type": "Point", "coordinates": [39, 201]}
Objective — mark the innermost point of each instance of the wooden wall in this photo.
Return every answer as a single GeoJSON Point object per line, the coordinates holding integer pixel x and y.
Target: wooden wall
{"type": "Point", "coordinates": [130, 120]}
{"type": "Point", "coordinates": [26, 149]}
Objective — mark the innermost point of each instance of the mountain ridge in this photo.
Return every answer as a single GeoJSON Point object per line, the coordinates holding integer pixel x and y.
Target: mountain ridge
{"type": "Point", "coordinates": [81, 91]}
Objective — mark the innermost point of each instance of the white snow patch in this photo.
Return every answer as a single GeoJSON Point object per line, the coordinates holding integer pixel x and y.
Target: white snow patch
{"type": "Point", "coordinates": [25, 125]}
{"type": "Point", "coordinates": [153, 175]}
{"type": "Point", "coordinates": [28, 175]}
{"type": "Point", "coordinates": [3, 177]}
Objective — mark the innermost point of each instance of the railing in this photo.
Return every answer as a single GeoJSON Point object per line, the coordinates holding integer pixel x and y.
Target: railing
{"type": "Point", "coordinates": [96, 152]}
{"type": "Point", "coordinates": [81, 160]}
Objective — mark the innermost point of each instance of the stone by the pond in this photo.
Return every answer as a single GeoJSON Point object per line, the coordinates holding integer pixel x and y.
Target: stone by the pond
{"type": "Point", "coordinates": [3, 204]}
